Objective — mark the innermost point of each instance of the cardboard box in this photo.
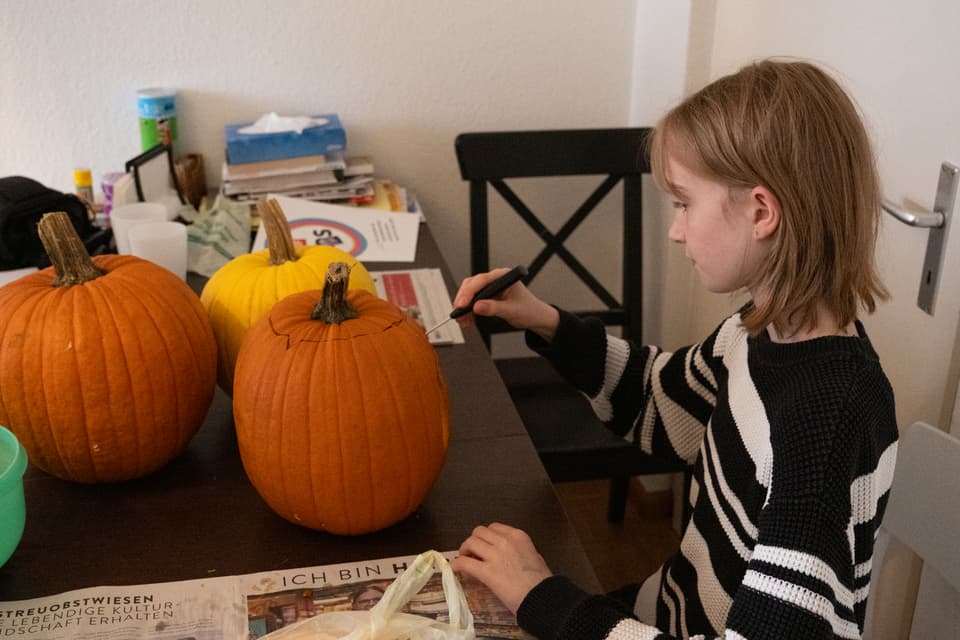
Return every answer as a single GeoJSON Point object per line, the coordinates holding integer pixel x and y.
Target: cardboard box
{"type": "Point", "coordinates": [260, 147]}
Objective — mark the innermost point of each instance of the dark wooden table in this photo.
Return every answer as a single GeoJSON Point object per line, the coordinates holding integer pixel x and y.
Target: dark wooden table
{"type": "Point", "coordinates": [200, 517]}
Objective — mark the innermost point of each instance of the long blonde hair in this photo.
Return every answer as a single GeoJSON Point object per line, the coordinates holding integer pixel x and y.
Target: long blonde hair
{"type": "Point", "coordinates": [791, 128]}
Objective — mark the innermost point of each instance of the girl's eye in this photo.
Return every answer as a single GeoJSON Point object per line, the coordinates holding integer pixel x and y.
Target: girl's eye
{"type": "Point", "coordinates": [682, 206]}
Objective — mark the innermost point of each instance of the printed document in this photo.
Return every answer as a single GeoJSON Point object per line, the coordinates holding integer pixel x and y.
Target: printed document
{"type": "Point", "coordinates": [369, 235]}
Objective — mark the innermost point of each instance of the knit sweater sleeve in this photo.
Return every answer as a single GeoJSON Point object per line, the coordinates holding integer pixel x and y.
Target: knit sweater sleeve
{"type": "Point", "coordinates": [660, 401]}
{"type": "Point", "coordinates": [557, 609]}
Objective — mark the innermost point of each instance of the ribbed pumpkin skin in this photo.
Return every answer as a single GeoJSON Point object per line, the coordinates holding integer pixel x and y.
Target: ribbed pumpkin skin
{"type": "Point", "coordinates": [246, 287]}
{"type": "Point", "coordinates": [346, 429]}
{"type": "Point", "coordinates": [107, 380]}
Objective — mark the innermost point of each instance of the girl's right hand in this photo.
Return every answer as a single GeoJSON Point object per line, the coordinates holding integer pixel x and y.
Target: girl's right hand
{"type": "Point", "coordinates": [516, 305]}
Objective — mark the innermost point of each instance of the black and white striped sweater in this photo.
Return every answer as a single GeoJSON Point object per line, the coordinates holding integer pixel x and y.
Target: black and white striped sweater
{"type": "Point", "coordinates": [794, 447]}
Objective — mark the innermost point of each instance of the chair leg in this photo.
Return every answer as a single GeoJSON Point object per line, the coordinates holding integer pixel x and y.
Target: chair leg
{"type": "Point", "coordinates": [617, 503]}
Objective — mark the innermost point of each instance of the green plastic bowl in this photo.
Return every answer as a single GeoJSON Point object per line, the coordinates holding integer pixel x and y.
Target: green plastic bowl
{"type": "Point", "coordinates": [13, 512]}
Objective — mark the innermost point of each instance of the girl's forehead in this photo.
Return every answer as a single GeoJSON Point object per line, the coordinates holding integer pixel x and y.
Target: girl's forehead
{"type": "Point", "coordinates": [684, 181]}
{"type": "Point", "coordinates": [680, 175]}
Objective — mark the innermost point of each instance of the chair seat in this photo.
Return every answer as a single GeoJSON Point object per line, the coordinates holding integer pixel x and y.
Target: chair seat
{"type": "Point", "coordinates": [589, 451]}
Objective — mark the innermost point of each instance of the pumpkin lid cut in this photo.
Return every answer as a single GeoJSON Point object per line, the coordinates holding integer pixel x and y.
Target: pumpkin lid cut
{"type": "Point", "coordinates": [339, 314]}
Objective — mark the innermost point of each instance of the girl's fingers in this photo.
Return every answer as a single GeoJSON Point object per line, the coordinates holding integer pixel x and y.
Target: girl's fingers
{"type": "Point", "coordinates": [469, 286]}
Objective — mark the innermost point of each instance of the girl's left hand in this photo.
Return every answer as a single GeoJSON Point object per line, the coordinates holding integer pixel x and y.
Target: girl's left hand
{"type": "Point", "coordinates": [504, 559]}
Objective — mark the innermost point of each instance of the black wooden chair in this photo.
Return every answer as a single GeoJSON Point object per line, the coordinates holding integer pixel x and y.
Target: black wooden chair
{"type": "Point", "coordinates": [571, 441]}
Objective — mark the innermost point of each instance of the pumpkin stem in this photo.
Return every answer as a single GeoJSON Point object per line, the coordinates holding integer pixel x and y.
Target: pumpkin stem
{"type": "Point", "coordinates": [69, 257]}
{"type": "Point", "coordinates": [279, 238]}
{"type": "Point", "coordinates": [334, 307]}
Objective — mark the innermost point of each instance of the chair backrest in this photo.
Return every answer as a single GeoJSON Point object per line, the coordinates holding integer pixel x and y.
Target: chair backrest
{"type": "Point", "coordinates": [924, 507]}
{"type": "Point", "coordinates": [491, 158]}
{"type": "Point", "coordinates": [910, 598]}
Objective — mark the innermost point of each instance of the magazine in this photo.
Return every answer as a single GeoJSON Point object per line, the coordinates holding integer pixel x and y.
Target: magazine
{"type": "Point", "coordinates": [243, 607]}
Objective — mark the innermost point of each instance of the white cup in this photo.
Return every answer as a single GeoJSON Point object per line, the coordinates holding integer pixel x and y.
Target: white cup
{"type": "Point", "coordinates": [124, 217]}
{"type": "Point", "coordinates": [163, 243]}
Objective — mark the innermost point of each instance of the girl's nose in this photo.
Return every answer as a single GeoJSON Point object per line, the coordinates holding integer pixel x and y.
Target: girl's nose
{"type": "Point", "coordinates": [677, 232]}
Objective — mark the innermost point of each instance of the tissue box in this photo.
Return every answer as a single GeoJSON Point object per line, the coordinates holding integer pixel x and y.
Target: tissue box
{"type": "Point", "coordinates": [259, 147]}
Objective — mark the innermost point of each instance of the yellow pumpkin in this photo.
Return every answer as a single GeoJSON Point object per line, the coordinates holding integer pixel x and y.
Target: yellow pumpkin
{"type": "Point", "coordinates": [245, 288]}
{"type": "Point", "coordinates": [341, 410]}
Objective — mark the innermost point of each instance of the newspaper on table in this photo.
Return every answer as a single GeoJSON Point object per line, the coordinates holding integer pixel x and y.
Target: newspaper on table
{"type": "Point", "coordinates": [422, 295]}
{"type": "Point", "coordinates": [243, 607]}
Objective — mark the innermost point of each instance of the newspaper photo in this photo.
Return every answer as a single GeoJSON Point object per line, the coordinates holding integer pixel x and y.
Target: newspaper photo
{"type": "Point", "coordinates": [246, 607]}
{"type": "Point", "coordinates": [422, 295]}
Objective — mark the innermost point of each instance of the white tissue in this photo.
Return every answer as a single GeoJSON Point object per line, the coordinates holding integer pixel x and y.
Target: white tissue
{"type": "Point", "coordinates": [273, 123]}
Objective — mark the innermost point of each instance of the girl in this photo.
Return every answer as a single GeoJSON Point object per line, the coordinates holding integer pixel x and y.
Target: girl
{"type": "Point", "coordinates": [784, 409]}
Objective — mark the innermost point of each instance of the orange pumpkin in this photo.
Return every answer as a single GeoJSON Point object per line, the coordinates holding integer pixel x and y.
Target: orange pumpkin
{"type": "Point", "coordinates": [107, 366]}
{"type": "Point", "coordinates": [342, 421]}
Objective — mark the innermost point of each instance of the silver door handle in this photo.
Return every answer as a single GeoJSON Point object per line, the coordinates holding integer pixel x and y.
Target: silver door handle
{"type": "Point", "coordinates": [928, 219]}
{"type": "Point", "coordinates": [937, 221]}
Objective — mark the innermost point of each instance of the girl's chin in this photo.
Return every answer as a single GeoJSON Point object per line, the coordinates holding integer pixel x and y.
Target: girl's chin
{"type": "Point", "coordinates": [715, 287]}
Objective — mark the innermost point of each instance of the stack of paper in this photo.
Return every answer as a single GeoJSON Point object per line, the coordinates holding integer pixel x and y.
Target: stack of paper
{"type": "Point", "coordinates": [299, 156]}
{"type": "Point", "coordinates": [318, 177]}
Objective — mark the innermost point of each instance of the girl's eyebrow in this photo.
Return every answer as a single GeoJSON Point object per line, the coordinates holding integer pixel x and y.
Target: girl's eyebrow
{"type": "Point", "coordinates": [677, 189]}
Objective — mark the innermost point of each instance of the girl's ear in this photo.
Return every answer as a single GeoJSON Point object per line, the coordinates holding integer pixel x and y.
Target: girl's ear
{"type": "Point", "coordinates": [765, 211]}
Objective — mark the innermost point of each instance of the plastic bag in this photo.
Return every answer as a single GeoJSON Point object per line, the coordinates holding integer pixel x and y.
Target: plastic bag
{"type": "Point", "coordinates": [217, 236]}
{"type": "Point", "coordinates": [385, 621]}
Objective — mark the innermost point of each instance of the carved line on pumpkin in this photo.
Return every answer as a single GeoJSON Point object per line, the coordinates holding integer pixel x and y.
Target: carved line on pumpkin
{"type": "Point", "coordinates": [399, 319]}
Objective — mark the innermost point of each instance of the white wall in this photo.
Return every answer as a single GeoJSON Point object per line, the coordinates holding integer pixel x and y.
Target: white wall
{"type": "Point", "coordinates": [662, 43]}
{"type": "Point", "coordinates": [406, 78]}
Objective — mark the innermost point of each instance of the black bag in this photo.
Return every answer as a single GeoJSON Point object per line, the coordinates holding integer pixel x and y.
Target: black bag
{"type": "Point", "coordinates": [22, 203]}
